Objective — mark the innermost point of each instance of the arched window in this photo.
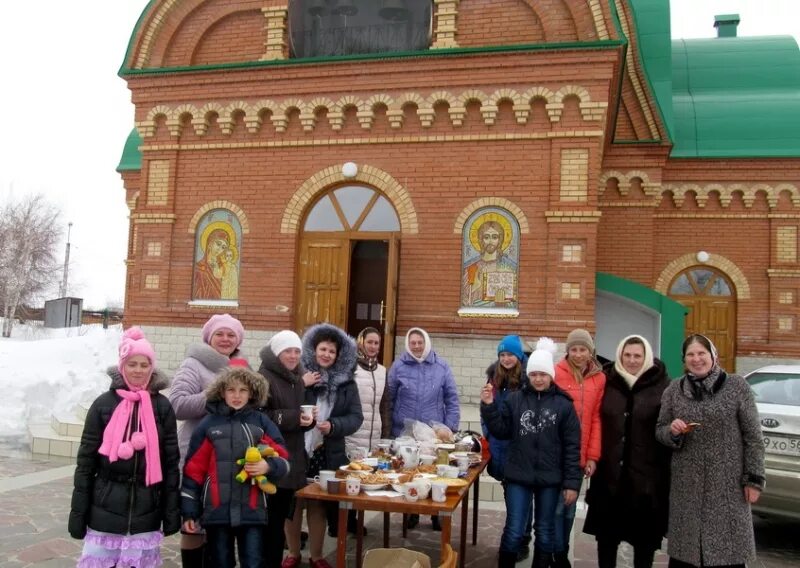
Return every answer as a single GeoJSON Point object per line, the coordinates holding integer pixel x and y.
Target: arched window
{"type": "Point", "coordinates": [217, 252]}
{"type": "Point", "coordinates": [352, 208]}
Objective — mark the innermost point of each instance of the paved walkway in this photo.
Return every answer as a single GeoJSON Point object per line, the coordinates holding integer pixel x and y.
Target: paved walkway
{"type": "Point", "coordinates": [35, 496]}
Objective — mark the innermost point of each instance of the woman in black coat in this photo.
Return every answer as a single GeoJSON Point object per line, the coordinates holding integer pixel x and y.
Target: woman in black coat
{"type": "Point", "coordinates": [280, 365]}
{"type": "Point", "coordinates": [629, 494]}
{"type": "Point", "coordinates": [330, 355]}
{"type": "Point", "coordinates": [126, 496]}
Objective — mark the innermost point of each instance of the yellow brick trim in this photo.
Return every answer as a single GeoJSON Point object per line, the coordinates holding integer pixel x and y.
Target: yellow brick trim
{"type": "Point", "coordinates": [219, 204]}
{"type": "Point", "coordinates": [599, 20]}
{"type": "Point", "coordinates": [633, 74]}
{"type": "Point", "coordinates": [783, 272]}
{"type": "Point", "coordinates": [786, 297]}
{"type": "Point", "coordinates": [397, 195]}
{"type": "Point", "coordinates": [275, 42]}
{"type": "Point", "coordinates": [574, 176]}
{"type": "Point", "coordinates": [509, 206]}
{"type": "Point", "coordinates": [786, 245]}
{"type": "Point", "coordinates": [724, 265]}
{"type": "Point", "coordinates": [650, 188]}
{"type": "Point", "coordinates": [710, 216]}
{"type": "Point", "coordinates": [157, 182]}
{"type": "Point", "coordinates": [374, 141]}
{"type": "Point", "coordinates": [748, 191]}
{"type": "Point", "coordinates": [627, 204]}
{"type": "Point", "coordinates": [151, 32]}
{"type": "Point", "coordinates": [572, 216]}
{"type": "Point", "coordinates": [190, 115]}
{"type": "Point", "coordinates": [153, 218]}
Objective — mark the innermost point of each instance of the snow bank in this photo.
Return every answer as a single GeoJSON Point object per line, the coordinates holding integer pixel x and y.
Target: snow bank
{"type": "Point", "coordinates": [49, 371]}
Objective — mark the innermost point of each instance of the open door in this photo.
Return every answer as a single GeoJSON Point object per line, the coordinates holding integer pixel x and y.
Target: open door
{"type": "Point", "coordinates": [390, 309]}
{"type": "Point", "coordinates": [323, 277]}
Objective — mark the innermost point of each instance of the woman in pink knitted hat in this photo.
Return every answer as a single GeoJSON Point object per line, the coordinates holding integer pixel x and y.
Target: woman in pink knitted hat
{"type": "Point", "coordinates": [126, 496]}
{"type": "Point", "coordinates": [222, 336]}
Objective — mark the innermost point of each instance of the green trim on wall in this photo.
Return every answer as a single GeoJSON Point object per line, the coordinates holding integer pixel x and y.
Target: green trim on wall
{"type": "Point", "coordinates": [131, 159]}
{"type": "Point", "coordinates": [430, 53]}
{"type": "Point", "coordinates": [132, 39]}
{"type": "Point", "coordinates": [672, 314]}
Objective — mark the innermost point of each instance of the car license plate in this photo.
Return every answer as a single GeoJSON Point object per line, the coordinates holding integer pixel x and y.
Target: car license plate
{"type": "Point", "coordinates": [785, 445]}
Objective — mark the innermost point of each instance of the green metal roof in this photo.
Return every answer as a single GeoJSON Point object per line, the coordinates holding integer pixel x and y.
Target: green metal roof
{"type": "Point", "coordinates": [736, 97]}
{"type": "Point", "coordinates": [131, 159]}
{"type": "Point", "coordinates": [651, 18]}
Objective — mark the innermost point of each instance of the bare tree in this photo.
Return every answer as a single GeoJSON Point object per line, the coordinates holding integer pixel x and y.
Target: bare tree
{"type": "Point", "coordinates": [30, 234]}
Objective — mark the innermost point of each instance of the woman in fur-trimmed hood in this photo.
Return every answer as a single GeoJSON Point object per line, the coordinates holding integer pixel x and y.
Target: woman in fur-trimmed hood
{"type": "Point", "coordinates": [330, 355]}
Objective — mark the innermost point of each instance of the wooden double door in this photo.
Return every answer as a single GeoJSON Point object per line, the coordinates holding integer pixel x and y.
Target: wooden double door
{"type": "Point", "coordinates": [350, 280]}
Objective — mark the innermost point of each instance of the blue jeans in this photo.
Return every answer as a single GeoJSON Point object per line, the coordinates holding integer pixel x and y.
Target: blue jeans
{"type": "Point", "coordinates": [565, 518]}
{"type": "Point", "coordinates": [249, 541]}
{"type": "Point", "coordinates": [526, 536]}
{"type": "Point", "coordinates": [519, 500]}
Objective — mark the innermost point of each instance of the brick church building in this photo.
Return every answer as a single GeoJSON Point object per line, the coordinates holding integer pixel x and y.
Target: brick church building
{"type": "Point", "coordinates": [472, 167]}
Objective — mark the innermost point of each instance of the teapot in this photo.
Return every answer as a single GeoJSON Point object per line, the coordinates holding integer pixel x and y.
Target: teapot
{"type": "Point", "coordinates": [402, 441]}
{"type": "Point", "coordinates": [409, 454]}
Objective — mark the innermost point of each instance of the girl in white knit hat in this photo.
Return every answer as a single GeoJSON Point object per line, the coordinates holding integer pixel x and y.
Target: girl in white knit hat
{"type": "Point", "coordinates": [543, 455]}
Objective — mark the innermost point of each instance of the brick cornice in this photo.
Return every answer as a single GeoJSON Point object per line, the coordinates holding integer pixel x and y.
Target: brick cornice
{"type": "Point", "coordinates": [198, 116]}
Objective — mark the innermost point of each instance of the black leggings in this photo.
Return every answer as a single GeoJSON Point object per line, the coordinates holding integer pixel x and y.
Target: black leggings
{"type": "Point", "coordinates": [279, 508]}
{"type": "Point", "coordinates": [673, 563]}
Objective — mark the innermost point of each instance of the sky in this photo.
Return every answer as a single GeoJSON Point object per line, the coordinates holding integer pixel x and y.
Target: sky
{"type": "Point", "coordinates": [66, 115]}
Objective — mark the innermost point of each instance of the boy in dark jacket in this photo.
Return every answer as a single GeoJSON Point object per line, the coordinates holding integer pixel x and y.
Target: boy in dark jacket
{"type": "Point", "coordinates": [543, 455]}
{"type": "Point", "coordinates": [211, 496]}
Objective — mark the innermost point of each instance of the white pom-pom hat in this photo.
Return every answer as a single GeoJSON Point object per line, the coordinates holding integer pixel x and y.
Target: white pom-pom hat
{"type": "Point", "coordinates": [541, 359]}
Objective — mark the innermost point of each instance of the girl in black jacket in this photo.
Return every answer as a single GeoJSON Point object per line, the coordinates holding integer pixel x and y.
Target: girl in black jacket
{"type": "Point", "coordinates": [543, 456]}
{"type": "Point", "coordinates": [126, 480]}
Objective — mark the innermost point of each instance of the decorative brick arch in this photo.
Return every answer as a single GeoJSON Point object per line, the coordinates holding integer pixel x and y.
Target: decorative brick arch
{"type": "Point", "coordinates": [220, 204]}
{"type": "Point", "coordinates": [368, 175]}
{"type": "Point", "coordinates": [524, 227]}
{"type": "Point", "coordinates": [717, 261]}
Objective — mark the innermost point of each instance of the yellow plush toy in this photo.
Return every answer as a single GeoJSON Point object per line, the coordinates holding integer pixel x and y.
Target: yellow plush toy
{"type": "Point", "coordinates": [253, 455]}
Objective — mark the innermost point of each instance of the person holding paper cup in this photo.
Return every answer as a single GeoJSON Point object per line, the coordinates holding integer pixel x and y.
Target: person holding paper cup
{"type": "Point", "coordinates": [280, 366]}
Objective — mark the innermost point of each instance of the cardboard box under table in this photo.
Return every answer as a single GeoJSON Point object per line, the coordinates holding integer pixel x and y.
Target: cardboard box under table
{"type": "Point", "coordinates": [388, 505]}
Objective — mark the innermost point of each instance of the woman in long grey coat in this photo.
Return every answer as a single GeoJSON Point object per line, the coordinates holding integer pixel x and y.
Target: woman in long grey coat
{"type": "Point", "coordinates": [709, 419]}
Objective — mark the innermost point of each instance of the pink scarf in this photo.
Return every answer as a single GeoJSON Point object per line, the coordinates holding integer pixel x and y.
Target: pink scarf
{"type": "Point", "coordinates": [119, 428]}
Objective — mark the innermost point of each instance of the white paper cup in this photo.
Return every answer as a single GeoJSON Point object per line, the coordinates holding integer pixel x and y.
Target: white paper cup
{"type": "Point", "coordinates": [439, 491]}
{"type": "Point", "coordinates": [427, 460]}
{"type": "Point", "coordinates": [307, 410]}
{"type": "Point", "coordinates": [442, 469]}
{"type": "Point", "coordinates": [463, 464]}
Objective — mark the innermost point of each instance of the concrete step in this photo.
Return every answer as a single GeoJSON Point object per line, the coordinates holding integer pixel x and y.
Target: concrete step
{"type": "Point", "coordinates": [66, 424]}
{"type": "Point", "coordinates": [82, 409]}
{"type": "Point", "coordinates": [46, 441]}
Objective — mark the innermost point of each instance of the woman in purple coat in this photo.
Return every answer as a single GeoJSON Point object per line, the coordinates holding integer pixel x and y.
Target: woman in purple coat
{"type": "Point", "coordinates": [422, 387]}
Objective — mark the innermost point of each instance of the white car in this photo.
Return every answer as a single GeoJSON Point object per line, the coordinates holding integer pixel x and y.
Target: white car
{"type": "Point", "coordinates": [777, 392]}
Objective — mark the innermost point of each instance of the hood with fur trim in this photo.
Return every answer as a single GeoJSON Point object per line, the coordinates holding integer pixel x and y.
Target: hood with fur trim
{"type": "Point", "coordinates": [158, 380]}
{"type": "Point", "coordinates": [258, 386]}
{"type": "Point", "coordinates": [343, 369]}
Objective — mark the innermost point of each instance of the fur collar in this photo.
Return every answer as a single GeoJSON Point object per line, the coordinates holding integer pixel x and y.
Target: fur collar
{"type": "Point", "coordinates": [209, 357]}
{"type": "Point", "coordinates": [341, 372]}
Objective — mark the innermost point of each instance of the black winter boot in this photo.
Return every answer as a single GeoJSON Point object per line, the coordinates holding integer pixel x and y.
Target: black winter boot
{"type": "Point", "coordinates": [561, 559]}
{"type": "Point", "coordinates": [193, 557]}
{"type": "Point", "coordinates": [541, 559]}
{"type": "Point", "coordinates": [507, 560]}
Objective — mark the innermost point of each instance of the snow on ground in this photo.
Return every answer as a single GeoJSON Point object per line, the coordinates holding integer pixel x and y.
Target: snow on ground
{"type": "Point", "coordinates": [49, 371]}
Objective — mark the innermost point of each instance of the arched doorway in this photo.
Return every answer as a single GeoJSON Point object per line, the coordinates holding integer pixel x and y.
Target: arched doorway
{"type": "Point", "coordinates": [349, 256]}
{"type": "Point", "coordinates": [711, 299]}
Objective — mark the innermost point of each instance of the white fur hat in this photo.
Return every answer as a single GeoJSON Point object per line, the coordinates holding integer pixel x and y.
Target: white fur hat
{"type": "Point", "coordinates": [284, 340]}
{"type": "Point", "coordinates": [541, 359]}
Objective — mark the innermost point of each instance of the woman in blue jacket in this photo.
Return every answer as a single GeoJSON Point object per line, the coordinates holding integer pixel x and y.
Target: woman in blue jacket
{"type": "Point", "coordinates": [422, 387]}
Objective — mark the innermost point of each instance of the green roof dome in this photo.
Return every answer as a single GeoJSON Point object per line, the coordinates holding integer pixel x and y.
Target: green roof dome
{"type": "Point", "coordinates": [131, 159]}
